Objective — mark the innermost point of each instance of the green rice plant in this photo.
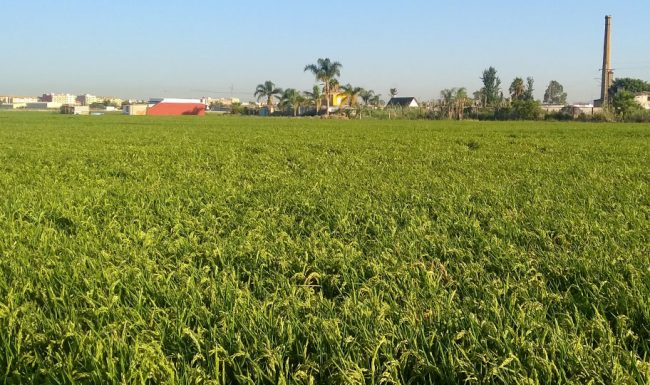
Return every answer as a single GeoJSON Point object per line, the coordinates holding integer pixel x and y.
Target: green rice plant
{"type": "Point", "coordinates": [243, 250]}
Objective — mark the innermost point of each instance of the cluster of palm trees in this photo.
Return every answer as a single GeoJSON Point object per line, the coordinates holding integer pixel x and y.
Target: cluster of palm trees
{"type": "Point", "coordinates": [520, 91]}
{"type": "Point", "coordinates": [452, 102]}
{"type": "Point", "coordinates": [326, 73]}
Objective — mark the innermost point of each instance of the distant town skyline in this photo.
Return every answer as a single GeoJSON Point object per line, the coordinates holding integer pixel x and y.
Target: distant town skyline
{"type": "Point", "coordinates": [193, 49]}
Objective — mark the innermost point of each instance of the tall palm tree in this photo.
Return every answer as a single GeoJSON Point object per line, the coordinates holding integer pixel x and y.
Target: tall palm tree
{"type": "Point", "coordinates": [367, 96]}
{"type": "Point", "coordinates": [376, 101]}
{"type": "Point", "coordinates": [268, 90]}
{"type": "Point", "coordinates": [325, 70]}
{"type": "Point", "coordinates": [447, 97]}
{"type": "Point", "coordinates": [291, 98]}
{"type": "Point", "coordinates": [351, 93]}
{"type": "Point", "coordinates": [460, 101]}
{"type": "Point", "coordinates": [315, 96]}
{"type": "Point", "coordinates": [393, 92]}
{"type": "Point", "coordinates": [517, 89]}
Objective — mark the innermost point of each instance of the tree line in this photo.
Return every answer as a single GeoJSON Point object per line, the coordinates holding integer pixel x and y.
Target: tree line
{"type": "Point", "coordinates": [327, 73]}
{"type": "Point", "coordinates": [454, 103]}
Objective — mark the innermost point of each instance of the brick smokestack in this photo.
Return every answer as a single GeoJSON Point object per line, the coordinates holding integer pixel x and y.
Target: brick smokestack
{"type": "Point", "coordinates": [607, 74]}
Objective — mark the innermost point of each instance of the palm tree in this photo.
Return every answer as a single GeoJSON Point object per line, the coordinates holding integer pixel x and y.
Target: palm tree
{"type": "Point", "coordinates": [517, 89]}
{"type": "Point", "coordinates": [447, 97]}
{"type": "Point", "coordinates": [351, 94]}
{"type": "Point", "coordinates": [268, 91]}
{"type": "Point", "coordinates": [315, 97]}
{"type": "Point", "coordinates": [366, 96]}
{"type": "Point", "coordinates": [376, 101]}
{"type": "Point", "coordinates": [460, 101]}
{"type": "Point", "coordinates": [291, 98]}
{"type": "Point", "coordinates": [393, 92]}
{"type": "Point", "coordinates": [325, 70]}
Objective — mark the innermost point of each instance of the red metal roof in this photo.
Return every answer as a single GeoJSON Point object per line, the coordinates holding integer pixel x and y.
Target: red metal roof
{"type": "Point", "coordinates": [166, 108]}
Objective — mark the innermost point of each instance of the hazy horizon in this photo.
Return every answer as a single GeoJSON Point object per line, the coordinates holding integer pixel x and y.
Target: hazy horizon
{"type": "Point", "coordinates": [193, 49]}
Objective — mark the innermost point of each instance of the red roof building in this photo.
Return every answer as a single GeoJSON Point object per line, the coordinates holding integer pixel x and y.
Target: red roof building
{"type": "Point", "coordinates": [168, 106]}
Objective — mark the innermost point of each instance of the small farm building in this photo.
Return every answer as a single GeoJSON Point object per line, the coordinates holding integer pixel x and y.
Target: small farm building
{"type": "Point", "coordinates": [134, 109]}
{"type": "Point", "coordinates": [402, 102]}
{"type": "Point", "coordinates": [43, 105]}
{"type": "Point", "coordinates": [11, 106]}
{"type": "Point", "coordinates": [166, 106]}
{"type": "Point", "coordinates": [75, 110]}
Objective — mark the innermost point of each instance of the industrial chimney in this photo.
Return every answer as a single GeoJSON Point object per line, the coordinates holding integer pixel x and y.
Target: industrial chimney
{"type": "Point", "coordinates": [608, 74]}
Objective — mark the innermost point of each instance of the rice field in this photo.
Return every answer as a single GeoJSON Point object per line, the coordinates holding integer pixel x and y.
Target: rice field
{"type": "Point", "coordinates": [232, 250]}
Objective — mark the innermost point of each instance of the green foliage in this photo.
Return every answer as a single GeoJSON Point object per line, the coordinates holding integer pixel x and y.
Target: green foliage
{"type": "Point", "coordinates": [623, 103]}
{"type": "Point", "coordinates": [520, 110]}
{"type": "Point", "coordinates": [520, 91]}
{"type": "Point", "coordinates": [292, 100]}
{"type": "Point", "coordinates": [530, 87]}
{"type": "Point", "coordinates": [240, 250]}
{"type": "Point", "coordinates": [453, 102]}
{"type": "Point", "coordinates": [517, 89]}
{"type": "Point", "coordinates": [315, 98]}
{"type": "Point", "coordinates": [351, 94]}
{"type": "Point", "coordinates": [491, 86]}
{"type": "Point", "coordinates": [554, 93]}
{"type": "Point", "coordinates": [367, 96]}
{"type": "Point", "coordinates": [97, 105]}
{"type": "Point", "coordinates": [637, 116]}
{"type": "Point", "coordinates": [326, 71]}
{"type": "Point", "coordinates": [526, 110]}
{"type": "Point", "coordinates": [109, 102]}
{"type": "Point", "coordinates": [269, 91]}
{"type": "Point", "coordinates": [629, 85]}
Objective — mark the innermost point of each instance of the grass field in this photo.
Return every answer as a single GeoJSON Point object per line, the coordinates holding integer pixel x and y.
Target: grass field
{"type": "Point", "coordinates": [217, 250]}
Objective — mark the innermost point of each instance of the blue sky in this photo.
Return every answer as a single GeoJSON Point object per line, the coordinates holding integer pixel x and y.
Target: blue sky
{"type": "Point", "coordinates": [191, 48]}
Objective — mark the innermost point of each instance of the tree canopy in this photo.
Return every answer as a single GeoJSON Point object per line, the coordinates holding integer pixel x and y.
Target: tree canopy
{"type": "Point", "coordinates": [491, 86]}
{"type": "Point", "coordinates": [528, 94]}
{"type": "Point", "coordinates": [517, 89]}
{"type": "Point", "coordinates": [623, 102]}
{"type": "Point", "coordinates": [315, 96]}
{"type": "Point", "coordinates": [629, 85]}
{"type": "Point", "coordinates": [554, 93]}
{"type": "Point", "coordinates": [268, 90]}
{"type": "Point", "coordinates": [325, 71]}
{"type": "Point", "coordinates": [351, 93]}
{"type": "Point", "coordinates": [292, 99]}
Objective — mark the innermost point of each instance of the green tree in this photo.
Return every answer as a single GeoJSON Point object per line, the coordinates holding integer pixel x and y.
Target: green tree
{"type": "Point", "coordinates": [366, 96]}
{"type": "Point", "coordinates": [460, 101]}
{"type": "Point", "coordinates": [491, 86]}
{"type": "Point", "coordinates": [453, 101]}
{"type": "Point", "coordinates": [554, 93]}
{"type": "Point", "coordinates": [623, 103]}
{"type": "Point", "coordinates": [97, 105]}
{"type": "Point", "coordinates": [447, 101]}
{"type": "Point", "coordinates": [377, 101]}
{"type": "Point", "coordinates": [526, 110]}
{"type": "Point", "coordinates": [268, 90]}
{"type": "Point", "coordinates": [393, 92]}
{"type": "Point", "coordinates": [530, 83]}
{"type": "Point", "coordinates": [315, 97]}
{"type": "Point", "coordinates": [517, 89]}
{"type": "Point", "coordinates": [325, 70]}
{"type": "Point", "coordinates": [109, 102]}
{"type": "Point", "coordinates": [292, 99]}
{"type": "Point", "coordinates": [629, 85]}
{"type": "Point", "coordinates": [351, 93]}
{"type": "Point", "coordinates": [479, 97]}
